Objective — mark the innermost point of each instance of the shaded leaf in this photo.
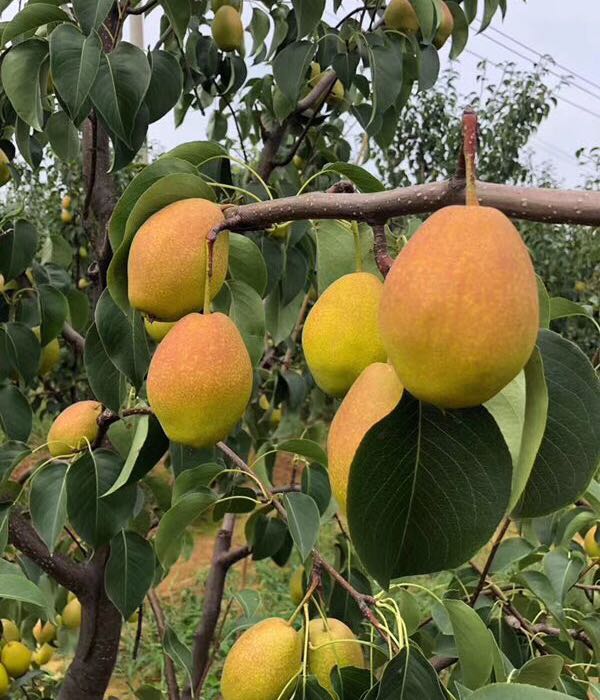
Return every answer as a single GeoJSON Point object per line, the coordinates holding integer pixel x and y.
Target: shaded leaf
{"type": "Point", "coordinates": [129, 572]}
{"type": "Point", "coordinates": [48, 502]}
{"type": "Point", "coordinates": [303, 520]}
{"type": "Point", "coordinates": [24, 68]}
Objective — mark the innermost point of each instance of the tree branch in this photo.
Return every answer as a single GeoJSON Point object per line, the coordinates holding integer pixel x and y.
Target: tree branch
{"type": "Point", "coordinates": [73, 337]}
{"type": "Point", "coordinates": [490, 559]}
{"type": "Point", "coordinates": [383, 259]}
{"type": "Point", "coordinates": [161, 626]}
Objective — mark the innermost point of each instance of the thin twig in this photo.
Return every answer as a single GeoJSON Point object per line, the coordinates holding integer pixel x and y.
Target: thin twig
{"type": "Point", "coordinates": [488, 564]}
{"type": "Point", "coordinates": [161, 626]}
{"type": "Point", "coordinates": [138, 632]}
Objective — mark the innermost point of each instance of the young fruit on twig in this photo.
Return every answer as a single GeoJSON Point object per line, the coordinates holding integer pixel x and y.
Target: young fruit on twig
{"type": "Point", "coordinates": [74, 428]}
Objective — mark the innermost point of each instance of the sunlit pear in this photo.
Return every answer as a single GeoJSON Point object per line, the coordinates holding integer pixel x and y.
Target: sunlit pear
{"type": "Point", "coordinates": [459, 312]}
{"type": "Point", "coordinates": [10, 631]}
{"type": "Point", "coordinates": [315, 73]}
{"type": "Point", "coordinates": [297, 586]}
{"type": "Point", "coordinates": [336, 96]}
{"type": "Point", "coordinates": [263, 662]}
{"type": "Point", "coordinates": [66, 202]}
{"type": "Point", "coordinates": [50, 354]}
{"type": "Point", "coordinates": [4, 681]}
{"type": "Point", "coordinates": [200, 380]}
{"type": "Point", "coordinates": [157, 330]}
{"type": "Point", "coordinates": [42, 656]}
{"type": "Point", "coordinates": [373, 396]}
{"type": "Point", "coordinates": [591, 543]}
{"type": "Point", "coordinates": [5, 174]}
{"type": "Point", "coordinates": [341, 334]}
{"type": "Point", "coordinates": [66, 216]}
{"type": "Point", "coordinates": [331, 643]}
{"type": "Point", "coordinates": [217, 4]}
{"type": "Point", "coordinates": [264, 402]}
{"type": "Point", "coordinates": [44, 632]}
{"type": "Point", "coordinates": [401, 15]}
{"type": "Point", "coordinates": [445, 28]}
{"type": "Point", "coordinates": [71, 614]}
{"type": "Point", "coordinates": [16, 658]}
{"type": "Point", "coordinates": [167, 259]}
{"type": "Point", "coordinates": [227, 29]}
{"type": "Point", "coordinates": [74, 428]}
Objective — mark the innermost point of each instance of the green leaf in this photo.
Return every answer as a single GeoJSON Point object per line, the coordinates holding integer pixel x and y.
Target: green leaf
{"type": "Point", "coordinates": [129, 572]}
{"type": "Point", "coordinates": [290, 67]}
{"type": "Point", "coordinates": [281, 319]}
{"type": "Point", "coordinates": [501, 691]}
{"type": "Point", "coordinates": [303, 520]}
{"type": "Point", "coordinates": [24, 68]}
{"type": "Point", "coordinates": [304, 448]}
{"type": "Point", "coordinates": [119, 88]}
{"type": "Point", "coordinates": [91, 15]}
{"type": "Point", "coordinates": [53, 312]}
{"type": "Point", "coordinates": [158, 195]}
{"type": "Point", "coordinates": [542, 671]}
{"type": "Point", "coordinates": [19, 345]}
{"type": "Point", "coordinates": [124, 339]}
{"type": "Point", "coordinates": [18, 245]}
{"type": "Point", "coordinates": [422, 476]}
{"type": "Point", "coordinates": [31, 17]}
{"type": "Point", "coordinates": [315, 483]}
{"type": "Point", "coordinates": [562, 569]}
{"type": "Point", "coordinates": [29, 145]}
{"type": "Point", "coordinates": [175, 521]}
{"type": "Point", "coordinates": [429, 67]}
{"type": "Point", "coordinates": [259, 29]}
{"type": "Point", "coordinates": [539, 584]}
{"type": "Point", "coordinates": [20, 588]}
{"type": "Point", "coordinates": [508, 409]}
{"type": "Point", "coordinates": [196, 479]}
{"type": "Point", "coordinates": [97, 519]}
{"type": "Point", "coordinates": [570, 450]}
{"type": "Point", "coordinates": [107, 383]}
{"type": "Point", "coordinates": [359, 176]}
{"type": "Point", "coordinates": [564, 308]}
{"type": "Point", "coordinates": [63, 136]}
{"type": "Point", "coordinates": [246, 262]}
{"type": "Point", "coordinates": [248, 313]}
{"type": "Point", "coordinates": [15, 413]}
{"type": "Point", "coordinates": [460, 33]}
{"type": "Point", "coordinates": [473, 643]}
{"type": "Point", "coordinates": [489, 11]}
{"type": "Point", "coordinates": [178, 651]}
{"type": "Point", "coordinates": [349, 682]}
{"type": "Point", "coordinates": [387, 67]}
{"type": "Point", "coordinates": [12, 453]}
{"type": "Point", "coordinates": [74, 63]}
{"type": "Point", "coordinates": [426, 14]}
{"type": "Point", "coordinates": [48, 502]}
{"type": "Point", "coordinates": [179, 13]}
{"type": "Point", "coordinates": [409, 676]}
{"type": "Point", "coordinates": [166, 83]}
{"type": "Point", "coordinates": [308, 15]}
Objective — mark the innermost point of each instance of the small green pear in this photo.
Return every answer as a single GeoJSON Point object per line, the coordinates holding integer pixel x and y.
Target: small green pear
{"type": "Point", "coordinates": [263, 662]}
{"type": "Point", "coordinates": [228, 30]}
{"type": "Point", "coordinates": [331, 643]}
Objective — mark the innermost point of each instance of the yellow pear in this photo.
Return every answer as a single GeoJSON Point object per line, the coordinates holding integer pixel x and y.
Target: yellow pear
{"type": "Point", "coordinates": [16, 658]}
{"type": "Point", "coordinates": [167, 259]}
{"type": "Point", "coordinates": [336, 96]}
{"type": "Point", "coordinates": [341, 334]}
{"type": "Point", "coordinates": [71, 614]}
{"type": "Point", "coordinates": [297, 586]}
{"type": "Point", "coordinates": [591, 543]}
{"type": "Point", "coordinates": [263, 662]}
{"type": "Point", "coordinates": [5, 174]}
{"type": "Point", "coordinates": [66, 216]}
{"type": "Point", "coordinates": [401, 15]}
{"type": "Point", "coordinates": [74, 428]}
{"type": "Point", "coordinates": [50, 354]}
{"type": "Point", "coordinates": [4, 681]}
{"type": "Point", "coordinates": [459, 311]}
{"type": "Point", "coordinates": [200, 380]}
{"type": "Point", "coordinates": [157, 330]}
{"type": "Point", "coordinates": [10, 631]}
{"type": "Point", "coordinates": [41, 656]}
{"type": "Point", "coordinates": [331, 643]}
{"type": "Point", "coordinates": [445, 27]}
{"type": "Point", "coordinates": [373, 396]}
{"type": "Point", "coordinates": [66, 202]}
{"type": "Point", "coordinates": [227, 29]}
{"type": "Point", "coordinates": [44, 632]}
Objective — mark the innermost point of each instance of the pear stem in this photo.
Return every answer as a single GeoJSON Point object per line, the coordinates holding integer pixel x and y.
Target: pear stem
{"type": "Point", "coordinates": [210, 244]}
{"type": "Point", "coordinates": [470, 156]}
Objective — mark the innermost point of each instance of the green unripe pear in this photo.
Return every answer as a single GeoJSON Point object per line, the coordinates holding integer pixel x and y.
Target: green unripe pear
{"type": "Point", "coordinates": [200, 380]}
{"type": "Point", "coordinates": [263, 662]}
{"type": "Point", "coordinates": [74, 428]}
{"type": "Point", "coordinates": [591, 543]}
{"type": "Point", "coordinates": [401, 15]}
{"type": "Point", "coordinates": [331, 643]}
{"type": "Point", "coordinates": [341, 335]}
{"type": "Point", "coordinates": [157, 330]}
{"type": "Point", "coordinates": [445, 28]}
{"type": "Point", "coordinates": [228, 30]}
{"type": "Point", "coordinates": [297, 586]}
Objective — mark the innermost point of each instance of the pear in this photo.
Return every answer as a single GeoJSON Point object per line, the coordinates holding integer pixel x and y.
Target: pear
{"type": "Point", "coordinates": [50, 354]}
{"type": "Point", "coordinates": [16, 658]}
{"type": "Point", "coordinates": [263, 662]}
{"type": "Point", "coordinates": [341, 335]}
{"type": "Point", "coordinates": [167, 259]}
{"type": "Point", "coordinates": [4, 681]}
{"type": "Point", "coordinates": [200, 380]}
{"type": "Point", "coordinates": [373, 396]}
{"type": "Point", "coordinates": [74, 428]}
{"type": "Point", "coordinates": [10, 631]}
{"type": "Point", "coordinates": [331, 643]}
{"type": "Point", "coordinates": [71, 614]}
{"type": "Point", "coordinates": [157, 330]}
{"type": "Point", "coordinates": [336, 96]}
{"type": "Point", "coordinates": [591, 543]}
{"type": "Point", "coordinates": [66, 202]}
{"type": "Point", "coordinates": [41, 656]}
{"type": "Point", "coordinates": [228, 30]}
{"type": "Point", "coordinates": [459, 311]}
{"type": "Point", "coordinates": [44, 632]}
{"type": "Point", "coordinates": [5, 174]}
{"type": "Point", "coordinates": [66, 216]}
{"type": "Point", "coordinates": [445, 28]}
{"type": "Point", "coordinates": [401, 15]}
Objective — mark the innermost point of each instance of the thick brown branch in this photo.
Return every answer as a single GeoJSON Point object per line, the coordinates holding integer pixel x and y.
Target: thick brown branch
{"type": "Point", "coordinates": [161, 626]}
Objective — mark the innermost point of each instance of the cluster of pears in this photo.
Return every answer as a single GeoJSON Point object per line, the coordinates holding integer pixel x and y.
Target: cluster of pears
{"type": "Point", "coordinates": [227, 28]}
{"type": "Point", "coordinates": [266, 660]}
{"type": "Point", "coordinates": [66, 214]}
{"type": "Point", "coordinates": [454, 322]}
{"type": "Point", "coordinates": [200, 377]}
{"type": "Point", "coordinates": [17, 658]}
{"type": "Point", "coordinates": [401, 16]}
